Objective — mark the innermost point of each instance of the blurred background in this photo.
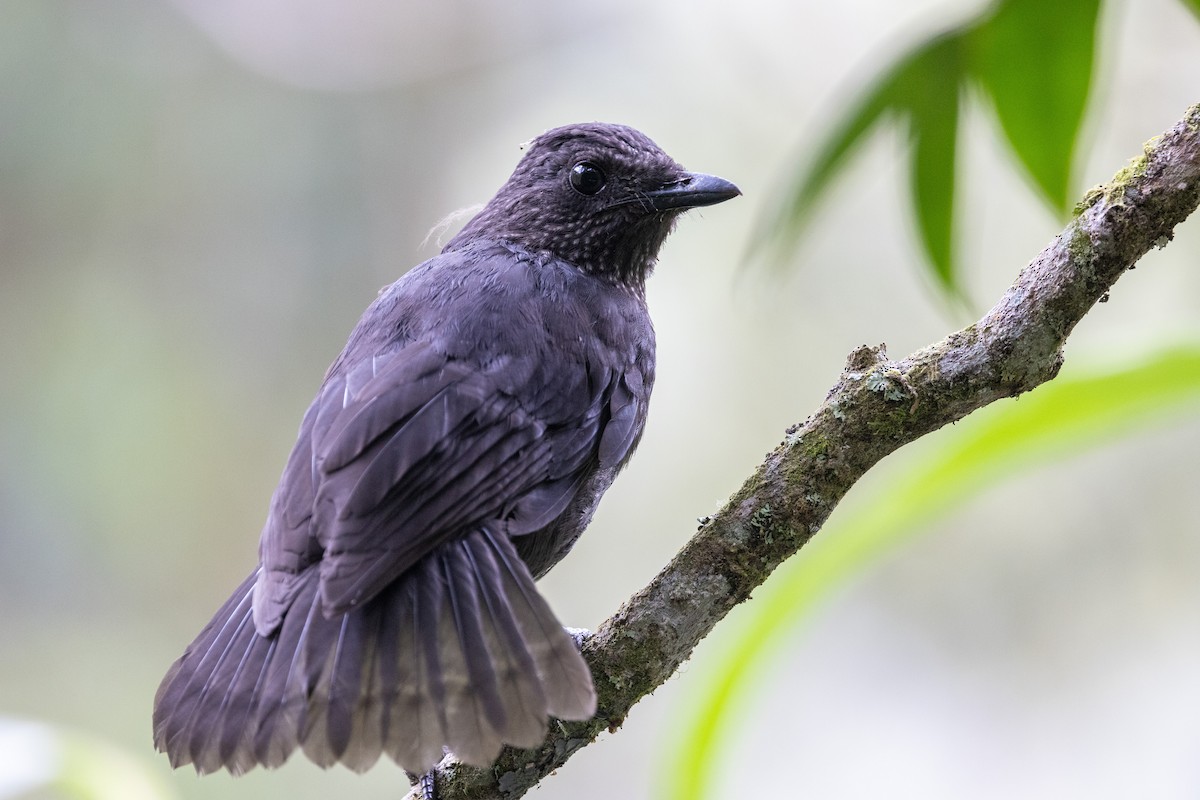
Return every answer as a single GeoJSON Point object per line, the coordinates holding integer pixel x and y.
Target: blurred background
{"type": "Point", "coordinates": [199, 197]}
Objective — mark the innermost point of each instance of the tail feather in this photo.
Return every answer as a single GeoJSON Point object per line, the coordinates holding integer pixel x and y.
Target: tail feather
{"type": "Point", "coordinates": [237, 748]}
{"type": "Point", "coordinates": [524, 722]}
{"type": "Point", "coordinates": [188, 698]}
{"type": "Point", "coordinates": [416, 718]}
{"type": "Point", "coordinates": [228, 746]}
{"type": "Point", "coordinates": [474, 709]}
{"type": "Point", "coordinates": [334, 699]}
{"type": "Point", "coordinates": [366, 717]}
{"type": "Point", "coordinates": [562, 671]}
{"type": "Point", "coordinates": [280, 713]}
{"type": "Point", "coordinates": [460, 653]}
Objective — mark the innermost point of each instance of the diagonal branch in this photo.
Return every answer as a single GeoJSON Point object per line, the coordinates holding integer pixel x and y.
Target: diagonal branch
{"type": "Point", "coordinates": [877, 406]}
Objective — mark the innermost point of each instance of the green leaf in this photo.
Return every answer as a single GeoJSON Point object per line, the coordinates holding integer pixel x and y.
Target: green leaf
{"type": "Point", "coordinates": [787, 226]}
{"type": "Point", "coordinates": [1193, 6]}
{"type": "Point", "coordinates": [932, 98]}
{"type": "Point", "coordinates": [1035, 61]}
{"type": "Point", "coordinates": [1075, 412]}
{"type": "Point", "coordinates": [922, 90]}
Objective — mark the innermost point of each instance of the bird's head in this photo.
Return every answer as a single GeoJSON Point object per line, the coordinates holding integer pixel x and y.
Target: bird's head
{"type": "Point", "coordinates": [602, 197]}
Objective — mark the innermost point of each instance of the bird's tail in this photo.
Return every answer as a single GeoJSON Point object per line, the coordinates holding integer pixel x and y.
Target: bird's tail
{"type": "Point", "coordinates": [461, 652]}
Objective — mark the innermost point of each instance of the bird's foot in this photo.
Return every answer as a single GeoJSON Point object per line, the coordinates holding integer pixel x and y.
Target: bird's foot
{"type": "Point", "coordinates": [428, 787]}
{"type": "Point", "coordinates": [423, 784]}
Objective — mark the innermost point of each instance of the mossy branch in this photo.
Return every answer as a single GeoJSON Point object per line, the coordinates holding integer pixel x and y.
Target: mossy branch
{"type": "Point", "coordinates": [876, 406]}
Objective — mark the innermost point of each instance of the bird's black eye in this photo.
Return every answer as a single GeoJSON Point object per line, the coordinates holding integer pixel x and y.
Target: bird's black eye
{"type": "Point", "coordinates": [587, 178]}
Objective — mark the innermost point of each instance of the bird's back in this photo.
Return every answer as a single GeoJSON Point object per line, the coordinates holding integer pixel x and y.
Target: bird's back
{"type": "Point", "coordinates": [578, 350]}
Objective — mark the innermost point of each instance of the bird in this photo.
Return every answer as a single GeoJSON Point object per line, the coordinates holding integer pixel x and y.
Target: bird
{"type": "Point", "coordinates": [454, 453]}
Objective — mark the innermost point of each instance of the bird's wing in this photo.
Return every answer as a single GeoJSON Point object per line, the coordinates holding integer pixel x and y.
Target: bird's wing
{"type": "Point", "coordinates": [411, 449]}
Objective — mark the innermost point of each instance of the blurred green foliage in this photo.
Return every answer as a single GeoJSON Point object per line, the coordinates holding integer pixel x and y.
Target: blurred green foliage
{"type": "Point", "coordinates": [1034, 62]}
{"type": "Point", "coordinates": [49, 761]}
{"type": "Point", "coordinates": [1075, 412]}
{"type": "Point", "coordinates": [1032, 59]}
{"type": "Point", "coordinates": [187, 238]}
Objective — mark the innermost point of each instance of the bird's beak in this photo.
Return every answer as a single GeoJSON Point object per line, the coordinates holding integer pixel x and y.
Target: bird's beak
{"type": "Point", "coordinates": [696, 189]}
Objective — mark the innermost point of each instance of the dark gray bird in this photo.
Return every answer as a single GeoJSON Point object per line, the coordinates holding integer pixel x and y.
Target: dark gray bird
{"type": "Point", "coordinates": [455, 452]}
